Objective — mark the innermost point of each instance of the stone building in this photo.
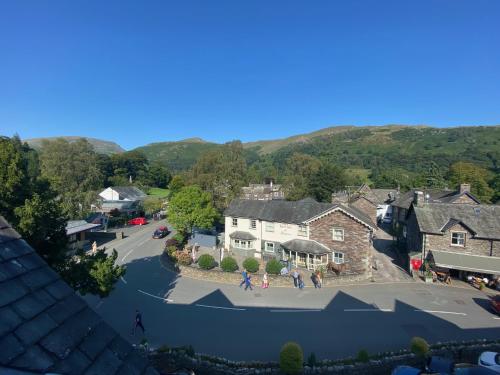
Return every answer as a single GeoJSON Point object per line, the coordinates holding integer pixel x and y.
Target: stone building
{"type": "Point", "coordinates": [264, 192]}
{"type": "Point", "coordinates": [307, 233]}
{"type": "Point", "coordinates": [458, 237]}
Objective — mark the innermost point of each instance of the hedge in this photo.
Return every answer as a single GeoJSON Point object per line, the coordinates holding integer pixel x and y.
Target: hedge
{"type": "Point", "coordinates": [273, 267]}
{"type": "Point", "coordinates": [206, 261]}
{"type": "Point", "coordinates": [229, 264]}
{"type": "Point", "coordinates": [251, 265]}
{"type": "Point", "coordinates": [291, 358]}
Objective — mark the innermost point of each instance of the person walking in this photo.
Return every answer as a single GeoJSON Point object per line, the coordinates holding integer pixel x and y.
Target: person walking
{"type": "Point", "coordinates": [320, 280]}
{"type": "Point", "coordinates": [138, 321]}
{"type": "Point", "coordinates": [295, 276]}
{"type": "Point", "coordinates": [244, 277]}
{"type": "Point", "coordinates": [314, 279]}
{"type": "Point", "coordinates": [300, 280]}
{"type": "Point", "coordinates": [248, 282]}
{"type": "Point", "coordinates": [265, 281]}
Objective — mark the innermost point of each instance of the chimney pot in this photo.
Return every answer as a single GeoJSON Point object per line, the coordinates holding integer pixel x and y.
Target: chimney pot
{"type": "Point", "coordinates": [418, 198]}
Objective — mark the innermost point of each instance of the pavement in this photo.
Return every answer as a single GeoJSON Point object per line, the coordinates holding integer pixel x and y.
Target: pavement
{"type": "Point", "coordinates": [333, 322]}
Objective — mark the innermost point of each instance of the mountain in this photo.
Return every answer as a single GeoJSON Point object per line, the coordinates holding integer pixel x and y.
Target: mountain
{"type": "Point", "coordinates": [100, 146]}
{"type": "Point", "coordinates": [366, 147]}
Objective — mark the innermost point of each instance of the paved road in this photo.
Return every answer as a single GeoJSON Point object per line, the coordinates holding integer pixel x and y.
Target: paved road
{"type": "Point", "coordinates": [331, 322]}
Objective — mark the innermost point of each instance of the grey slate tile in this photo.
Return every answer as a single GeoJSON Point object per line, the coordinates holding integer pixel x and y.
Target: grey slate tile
{"type": "Point", "coordinates": [9, 320]}
{"type": "Point", "coordinates": [11, 291]}
{"type": "Point", "coordinates": [14, 249]}
{"type": "Point", "coordinates": [33, 304]}
{"type": "Point", "coordinates": [13, 267]}
{"type": "Point", "coordinates": [34, 359]}
{"type": "Point", "coordinates": [74, 364]}
{"type": "Point", "coordinates": [134, 364]}
{"type": "Point", "coordinates": [66, 308]}
{"type": "Point", "coordinates": [100, 336]}
{"type": "Point", "coordinates": [8, 234]}
{"type": "Point", "coordinates": [120, 347]}
{"type": "Point", "coordinates": [31, 261]}
{"type": "Point", "coordinates": [59, 289]}
{"type": "Point", "coordinates": [10, 348]}
{"type": "Point", "coordinates": [39, 277]}
{"type": "Point", "coordinates": [33, 330]}
{"type": "Point", "coordinates": [106, 363]}
{"type": "Point", "coordinates": [67, 336]}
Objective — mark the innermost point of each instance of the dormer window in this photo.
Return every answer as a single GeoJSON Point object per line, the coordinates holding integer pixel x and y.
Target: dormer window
{"type": "Point", "coordinates": [458, 239]}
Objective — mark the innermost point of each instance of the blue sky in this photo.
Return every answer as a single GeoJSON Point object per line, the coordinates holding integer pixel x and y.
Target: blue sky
{"type": "Point", "coordinates": [144, 71]}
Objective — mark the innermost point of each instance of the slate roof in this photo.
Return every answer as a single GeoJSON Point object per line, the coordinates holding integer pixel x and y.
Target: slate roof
{"type": "Point", "coordinates": [242, 235]}
{"type": "Point", "coordinates": [482, 219]}
{"type": "Point", "coordinates": [46, 327]}
{"type": "Point", "coordinates": [129, 192]}
{"type": "Point", "coordinates": [290, 212]}
{"type": "Point", "coordinates": [77, 226]}
{"type": "Point", "coordinates": [384, 196]}
{"type": "Point", "coordinates": [435, 196]}
{"type": "Point", "coordinates": [306, 246]}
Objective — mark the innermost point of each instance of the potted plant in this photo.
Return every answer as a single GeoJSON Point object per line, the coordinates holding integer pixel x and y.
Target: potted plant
{"type": "Point", "coordinates": [428, 276]}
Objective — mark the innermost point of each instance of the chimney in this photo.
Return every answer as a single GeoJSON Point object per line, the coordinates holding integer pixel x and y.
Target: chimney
{"type": "Point", "coordinates": [418, 198]}
{"type": "Point", "coordinates": [464, 188]}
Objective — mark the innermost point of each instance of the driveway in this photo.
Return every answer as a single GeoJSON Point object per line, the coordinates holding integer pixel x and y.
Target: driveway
{"type": "Point", "coordinates": [332, 322]}
{"type": "Point", "coordinates": [387, 266]}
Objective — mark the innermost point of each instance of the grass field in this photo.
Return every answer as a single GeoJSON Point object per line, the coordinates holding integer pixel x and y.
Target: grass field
{"type": "Point", "coordinates": [158, 192]}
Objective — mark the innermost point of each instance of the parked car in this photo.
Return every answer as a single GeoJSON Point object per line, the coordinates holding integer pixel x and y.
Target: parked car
{"type": "Point", "coordinates": [490, 360]}
{"type": "Point", "coordinates": [160, 232]}
{"type": "Point", "coordinates": [495, 304]}
{"type": "Point", "coordinates": [138, 221]}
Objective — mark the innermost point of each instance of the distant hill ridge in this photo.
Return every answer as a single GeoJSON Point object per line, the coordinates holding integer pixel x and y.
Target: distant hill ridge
{"type": "Point", "coordinates": [100, 146]}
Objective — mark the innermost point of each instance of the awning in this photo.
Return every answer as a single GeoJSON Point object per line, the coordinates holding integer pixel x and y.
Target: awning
{"type": "Point", "coordinates": [466, 262]}
{"type": "Point", "coordinates": [306, 246]}
{"type": "Point", "coordinates": [239, 235]}
{"type": "Point", "coordinates": [77, 226]}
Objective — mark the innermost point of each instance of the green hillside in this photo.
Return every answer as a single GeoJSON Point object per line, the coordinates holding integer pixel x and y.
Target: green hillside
{"type": "Point", "coordinates": [369, 147]}
{"type": "Point", "coordinates": [100, 146]}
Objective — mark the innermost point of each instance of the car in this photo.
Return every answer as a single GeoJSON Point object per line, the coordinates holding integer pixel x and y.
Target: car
{"type": "Point", "coordinates": [160, 232]}
{"type": "Point", "coordinates": [387, 218]}
{"type": "Point", "coordinates": [495, 304]}
{"type": "Point", "coordinates": [138, 221]}
{"type": "Point", "coordinates": [490, 360]}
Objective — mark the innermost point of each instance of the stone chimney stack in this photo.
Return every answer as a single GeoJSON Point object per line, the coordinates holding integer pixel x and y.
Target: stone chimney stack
{"type": "Point", "coordinates": [464, 188]}
{"type": "Point", "coordinates": [418, 198]}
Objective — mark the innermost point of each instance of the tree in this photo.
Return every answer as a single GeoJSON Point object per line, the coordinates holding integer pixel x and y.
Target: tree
{"type": "Point", "coordinates": [93, 273]}
{"type": "Point", "coordinates": [158, 175]}
{"type": "Point", "coordinates": [152, 204]}
{"type": "Point", "coordinates": [325, 181]}
{"type": "Point", "coordinates": [176, 184]}
{"type": "Point", "coordinates": [434, 179]}
{"type": "Point", "coordinates": [42, 224]}
{"type": "Point", "coordinates": [130, 164]}
{"type": "Point", "coordinates": [476, 176]}
{"type": "Point", "coordinates": [299, 171]}
{"type": "Point", "coordinates": [191, 207]}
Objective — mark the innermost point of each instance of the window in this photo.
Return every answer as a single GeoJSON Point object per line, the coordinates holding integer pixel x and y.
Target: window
{"type": "Point", "coordinates": [457, 239]}
{"type": "Point", "coordinates": [285, 228]}
{"type": "Point", "coordinates": [269, 247]}
{"type": "Point", "coordinates": [242, 244]}
{"type": "Point", "coordinates": [302, 231]}
{"type": "Point", "coordinates": [338, 234]}
{"type": "Point", "coordinates": [235, 222]}
{"type": "Point", "coordinates": [338, 258]}
{"type": "Point", "coordinates": [253, 224]}
{"type": "Point", "coordinates": [269, 227]}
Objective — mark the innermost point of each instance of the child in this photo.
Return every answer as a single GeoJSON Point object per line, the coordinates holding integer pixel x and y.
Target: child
{"type": "Point", "coordinates": [265, 281]}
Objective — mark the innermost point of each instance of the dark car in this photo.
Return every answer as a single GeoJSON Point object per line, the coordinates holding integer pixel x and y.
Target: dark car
{"type": "Point", "coordinates": [160, 232]}
{"type": "Point", "coordinates": [495, 304]}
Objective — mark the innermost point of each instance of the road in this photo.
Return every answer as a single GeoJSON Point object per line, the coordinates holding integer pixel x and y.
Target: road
{"type": "Point", "coordinates": [225, 320]}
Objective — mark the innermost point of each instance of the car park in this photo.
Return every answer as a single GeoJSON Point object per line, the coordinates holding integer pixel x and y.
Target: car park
{"type": "Point", "coordinates": [138, 221]}
{"type": "Point", "coordinates": [160, 232]}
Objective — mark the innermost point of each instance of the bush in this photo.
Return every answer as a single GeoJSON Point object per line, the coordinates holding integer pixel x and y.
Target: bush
{"type": "Point", "coordinates": [273, 267]}
{"type": "Point", "coordinates": [184, 258]}
{"type": "Point", "coordinates": [206, 261]}
{"type": "Point", "coordinates": [229, 264]}
{"type": "Point", "coordinates": [363, 356]}
{"type": "Point", "coordinates": [311, 360]}
{"type": "Point", "coordinates": [171, 242]}
{"type": "Point", "coordinates": [291, 358]}
{"type": "Point", "coordinates": [179, 238]}
{"type": "Point", "coordinates": [419, 346]}
{"type": "Point", "coordinates": [171, 250]}
{"type": "Point", "coordinates": [251, 265]}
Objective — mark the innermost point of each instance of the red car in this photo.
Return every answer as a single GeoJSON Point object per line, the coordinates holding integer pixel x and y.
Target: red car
{"type": "Point", "coordinates": [495, 304]}
{"type": "Point", "coordinates": [137, 221]}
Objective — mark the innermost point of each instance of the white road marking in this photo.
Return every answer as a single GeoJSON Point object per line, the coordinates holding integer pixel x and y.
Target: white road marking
{"type": "Point", "coordinates": [496, 318]}
{"type": "Point", "coordinates": [363, 310]}
{"type": "Point", "coordinates": [130, 252]}
{"type": "Point", "coordinates": [295, 311]}
{"type": "Point", "coordinates": [220, 307]}
{"type": "Point", "coordinates": [122, 279]}
{"type": "Point", "coordinates": [441, 312]}
{"type": "Point", "coordinates": [152, 295]}
{"type": "Point", "coordinates": [126, 255]}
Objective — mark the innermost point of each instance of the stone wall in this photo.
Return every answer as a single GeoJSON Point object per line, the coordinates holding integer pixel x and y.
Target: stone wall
{"type": "Point", "coordinates": [168, 360]}
{"type": "Point", "coordinates": [356, 245]}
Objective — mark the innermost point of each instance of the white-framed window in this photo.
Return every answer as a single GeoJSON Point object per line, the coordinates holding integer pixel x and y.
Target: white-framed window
{"type": "Point", "coordinates": [338, 258]}
{"type": "Point", "coordinates": [285, 228]}
{"type": "Point", "coordinates": [338, 234]}
{"type": "Point", "coordinates": [458, 239]}
{"type": "Point", "coordinates": [253, 224]}
{"type": "Point", "coordinates": [269, 227]}
{"type": "Point", "coordinates": [235, 222]}
{"type": "Point", "coordinates": [242, 244]}
{"type": "Point", "coordinates": [269, 247]}
{"type": "Point", "coordinates": [302, 231]}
